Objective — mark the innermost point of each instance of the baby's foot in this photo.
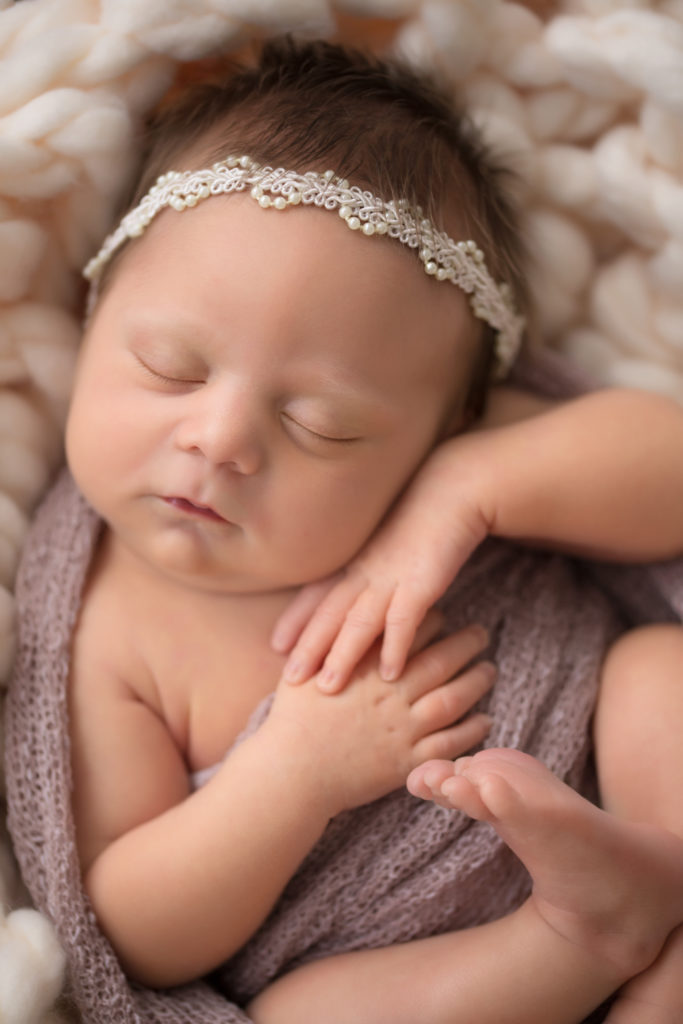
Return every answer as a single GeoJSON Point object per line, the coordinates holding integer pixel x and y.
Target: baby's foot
{"type": "Point", "coordinates": [656, 995]}
{"type": "Point", "coordinates": [612, 887]}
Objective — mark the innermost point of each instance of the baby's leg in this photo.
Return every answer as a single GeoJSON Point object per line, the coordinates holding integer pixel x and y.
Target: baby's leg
{"type": "Point", "coordinates": [610, 890]}
{"type": "Point", "coordinates": [606, 895]}
{"type": "Point", "coordinates": [639, 750]}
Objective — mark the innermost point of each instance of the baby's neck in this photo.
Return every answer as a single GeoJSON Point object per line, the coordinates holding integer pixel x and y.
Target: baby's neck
{"type": "Point", "coordinates": [164, 589]}
{"type": "Point", "coordinates": [186, 651]}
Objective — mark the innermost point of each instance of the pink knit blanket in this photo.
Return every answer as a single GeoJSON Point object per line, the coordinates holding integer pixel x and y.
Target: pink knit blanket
{"type": "Point", "coordinates": [391, 871]}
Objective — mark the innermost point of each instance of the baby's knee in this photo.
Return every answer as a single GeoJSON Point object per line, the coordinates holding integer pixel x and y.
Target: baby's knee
{"type": "Point", "coordinates": [643, 656]}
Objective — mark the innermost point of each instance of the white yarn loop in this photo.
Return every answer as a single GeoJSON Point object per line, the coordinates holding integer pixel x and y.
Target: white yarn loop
{"type": "Point", "coordinates": [622, 55]}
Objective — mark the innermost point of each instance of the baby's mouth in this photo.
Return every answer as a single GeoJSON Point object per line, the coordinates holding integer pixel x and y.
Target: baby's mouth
{"type": "Point", "coordinates": [203, 511]}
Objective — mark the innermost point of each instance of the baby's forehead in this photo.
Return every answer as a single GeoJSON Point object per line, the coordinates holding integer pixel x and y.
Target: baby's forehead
{"type": "Point", "coordinates": [460, 263]}
{"type": "Point", "coordinates": [291, 258]}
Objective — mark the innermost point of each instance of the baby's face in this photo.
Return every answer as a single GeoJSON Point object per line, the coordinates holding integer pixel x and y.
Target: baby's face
{"type": "Point", "coordinates": [255, 389]}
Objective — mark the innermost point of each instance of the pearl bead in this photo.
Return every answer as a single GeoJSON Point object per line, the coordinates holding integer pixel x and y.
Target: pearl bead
{"type": "Point", "coordinates": [294, 199]}
{"type": "Point", "coordinates": [354, 223]}
{"type": "Point", "coordinates": [431, 267]}
{"type": "Point", "coordinates": [204, 192]}
{"type": "Point", "coordinates": [279, 203]}
{"type": "Point", "coordinates": [345, 212]}
{"type": "Point", "coordinates": [368, 228]}
{"type": "Point", "coordinates": [256, 192]}
{"type": "Point", "coordinates": [264, 202]}
{"type": "Point", "coordinates": [381, 227]}
{"type": "Point", "coordinates": [191, 200]}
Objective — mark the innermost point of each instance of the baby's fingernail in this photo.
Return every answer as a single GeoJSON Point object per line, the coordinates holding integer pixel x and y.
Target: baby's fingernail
{"type": "Point", "coordinates": [432, 778]}
{"type": "Point", "coordinates": [489, 669]}
{"type": "Point", "coordinates": [388, 673]}
{"type": "Point", "coordinates": [328, 680]}
{"type": "Point", "coordinates": [293, 672]}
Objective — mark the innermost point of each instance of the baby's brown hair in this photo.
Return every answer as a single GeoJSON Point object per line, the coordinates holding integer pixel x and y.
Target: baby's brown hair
{"type": "Point", "coordinates": [310, 105]}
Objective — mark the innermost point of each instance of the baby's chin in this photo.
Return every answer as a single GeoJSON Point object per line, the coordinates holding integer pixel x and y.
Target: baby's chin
{"type": "Point", "coordinates": [177, 559]}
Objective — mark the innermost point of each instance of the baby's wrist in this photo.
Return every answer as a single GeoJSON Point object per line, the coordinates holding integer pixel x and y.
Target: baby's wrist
{"type": "Point", "coordinates": [287, 755]}
{"type": "Point", "coordinates": [463, 483]}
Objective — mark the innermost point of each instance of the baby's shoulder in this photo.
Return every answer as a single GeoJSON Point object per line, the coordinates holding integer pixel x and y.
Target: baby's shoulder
{"type": "Point", "coordinates": [106, 655]}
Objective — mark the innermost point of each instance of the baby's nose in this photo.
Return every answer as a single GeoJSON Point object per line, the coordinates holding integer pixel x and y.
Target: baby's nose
{"type": "Point", "coordinates": [224, 426]}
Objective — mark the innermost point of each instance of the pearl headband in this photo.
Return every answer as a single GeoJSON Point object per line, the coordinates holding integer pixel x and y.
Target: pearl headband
{"type": "Point", "coordinates": [462, 263]}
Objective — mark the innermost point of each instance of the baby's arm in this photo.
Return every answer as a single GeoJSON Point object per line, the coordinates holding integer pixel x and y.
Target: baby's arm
{"type": "Point", "coordinates": [599, 476]}
{"type": "Point", "coordinates": [180, 881]}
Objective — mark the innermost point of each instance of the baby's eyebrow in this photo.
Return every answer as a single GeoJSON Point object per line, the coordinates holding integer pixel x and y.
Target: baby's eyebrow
{"type": "Point", "coordinates": [355, 396]}
{"type": "Point", "coordinates": [142, 328]}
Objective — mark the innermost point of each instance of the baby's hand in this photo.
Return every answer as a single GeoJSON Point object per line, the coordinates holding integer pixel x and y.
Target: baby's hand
{"type": "Point", "coordinates": [363, 744]}
{"type": "Point", "coordinates": [388, 588]}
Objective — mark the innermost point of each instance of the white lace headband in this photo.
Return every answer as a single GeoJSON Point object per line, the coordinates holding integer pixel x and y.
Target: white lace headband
{"type": "Point", "coordinates": [462, 263]}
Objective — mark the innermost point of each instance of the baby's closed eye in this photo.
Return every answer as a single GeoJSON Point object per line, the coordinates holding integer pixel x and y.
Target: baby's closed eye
{"type": "Point", "coordinates": [317, 432]}
{"type": "Point", "coordinates": [168, 372]}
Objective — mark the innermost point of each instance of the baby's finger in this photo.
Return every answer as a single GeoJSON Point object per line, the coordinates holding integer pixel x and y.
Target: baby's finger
{"type": "Point", "coordinates": [438, 663]}
{"type": "Point", "coordinates": [428, 630]}
{"type": "Point", "coordinates": [403, 616]}
{"type": "Point", "coordinates": [456, 741]}
{"type": "Point", "coordinates": [320, 631]}
{"type": "Point", "coordinates": [363, 624]}
{"type": "Point", "coordinates": [290, 624]}
{"type": "Point", "coordinates": [357, 636]}
{"type": "Point", "coordinates": [447, 704]}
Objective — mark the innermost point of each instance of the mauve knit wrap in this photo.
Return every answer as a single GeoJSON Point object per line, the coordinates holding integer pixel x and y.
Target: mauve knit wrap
{"type": "Point", "coordinates": [394, 870]}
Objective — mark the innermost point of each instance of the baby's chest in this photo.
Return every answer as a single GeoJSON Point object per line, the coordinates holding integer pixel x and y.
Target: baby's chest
{"type": "Point", "coordinates": [208, 682]}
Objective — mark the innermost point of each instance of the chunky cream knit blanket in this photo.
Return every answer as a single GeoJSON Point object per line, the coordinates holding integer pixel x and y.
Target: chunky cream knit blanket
{"type": "Point", "coordinates": [585, 96]}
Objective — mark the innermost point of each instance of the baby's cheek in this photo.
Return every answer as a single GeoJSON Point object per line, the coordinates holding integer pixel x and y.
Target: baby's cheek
{"type": "Point", "coordinates": [328, 533]}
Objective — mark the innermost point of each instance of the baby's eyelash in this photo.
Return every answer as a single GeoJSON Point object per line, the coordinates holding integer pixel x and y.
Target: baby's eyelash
{"type": "Point", "coordinates": [317, 434]}
{"type": "Point", "coordinates": [156, 375]}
